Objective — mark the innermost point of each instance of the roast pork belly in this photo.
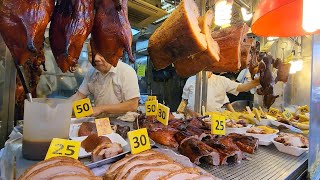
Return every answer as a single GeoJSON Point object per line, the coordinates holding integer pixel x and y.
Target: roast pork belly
{"type": "Point", "coordinates": [246, 144]}
{"type": "Point", "coordinates": [75, 177]}
{"type": "Point", "coordinates": [116, 167]}
{"type": "Point", "coordinates": [133, 173]}
{"type": "Point", "coordinates": [188, 173]}
{"type": "Point", "coordinates": [229, 41]}
{"type": "Point", "coordinates": [92, 141]}
{"type": "Point", "coordinates": [60, 168]}
{"type": "Point", "coordinates": [198, 152]}
{"type": "Point", "coordinates": [158, 158]}
{"type": "Point", "coordinates": [70, 26]}
{"type": "Point", "coordinates": [87, 128]}
{"type": "Point", "coordinates": [195, 63]}
{"type": "Point", "coordinates": [106, 150]}
{"type": "Point", "coordinates": [164, 136]}
{"type": "Point", "coordinates": [151, 174]}
{"type": "Point", "coordinates": [111, 32]}
{"type": "Point", "coordinates": [245, 48]}
{"type": "Point", "coordinates": [178, 37]}
{"type": "Point", "coordinates": [45, 163]}
{"type": "Point", "coordinates": [283, 72]}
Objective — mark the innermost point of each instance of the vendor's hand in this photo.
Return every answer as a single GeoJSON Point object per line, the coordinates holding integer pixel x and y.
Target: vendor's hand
{"type": "Point", "coordinates": [97, 110]}
{"type": "Point", "coordinates": [257, 81]}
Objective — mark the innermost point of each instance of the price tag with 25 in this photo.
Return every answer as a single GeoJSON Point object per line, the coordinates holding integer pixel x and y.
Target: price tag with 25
{"type": "Point", "coordinates": [151, 108]}
{"type": "Point", "coordinates": [152, 98]}
{"type": "Point", "coordinates": [163, 114]}
{"type": "Point", "coordinates": [218, 124]}
{"type": "Point", "coordinates": [103, 126]}
{"type": "Point", "coordinates": [287, 115]}
{"type": "Point", "coordinates": [82, 108]}
{"type": "Point", "coordinates": [63, 147]}
{"type": "Point", "coordinates": [139, 140]}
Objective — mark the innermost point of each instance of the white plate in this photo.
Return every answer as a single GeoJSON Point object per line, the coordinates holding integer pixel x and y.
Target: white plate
{"type": "Point", "coordinates": [242, 130]}
{"type": "Point", "coordinates": [114, 137]}
{"type": "Point", "coordinates": [264, 139]}
{"type": "Point", "coordinates": [295, 151]}
{"type": "Point", "coordinates": [294, 129]}
{"type": "Point", "coordinates": [263, 122]}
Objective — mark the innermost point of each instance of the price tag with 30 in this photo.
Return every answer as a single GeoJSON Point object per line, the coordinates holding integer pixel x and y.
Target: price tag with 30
{"type": "Point", "coordinates": [287, 115]}
{"type": "Point", "coordinates": [152, 98]}
{"type": "Point", "coordinates": [218, 124]}
{"type": "Point", "coordinates": [163, 114]}
{"type": "Point", "coordinates": [103, 126]}
{"type": "Point", "coordinates": [151, 108]}
{"type": "Point", "coordinates": [139, 140]}
{"type": "Point", "coordinates": [273, 111]}
{"type": "Point", "coordinates": [82, 108]}
{"type": "Point", "coordinates": [63, 147]}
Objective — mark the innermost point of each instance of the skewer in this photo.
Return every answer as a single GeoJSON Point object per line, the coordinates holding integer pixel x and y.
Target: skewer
{"type": "Point", "coordinates": [23, 81]}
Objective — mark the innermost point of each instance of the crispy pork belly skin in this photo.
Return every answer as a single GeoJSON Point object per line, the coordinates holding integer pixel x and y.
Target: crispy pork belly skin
{"type": "Point", "coordinates": [134, 171]}
{"type": "Point", "coordinates": [158, 158]}
{"type": "Point", "coordinates": [165, 137]}
{"type": "Point", "coordinates": [182, 174]}
{"type": "Point", "coordinates": [178, 37]}
{"type": "Point", "coordinates": [42, 164]}
{"type": "Point", "coordinates": [246, 144]}
{"type": "Point", "coordinates": [60, 168]}
{"type": "Point", "coordinates": [92, 141]}
{"type": "Point", "coordinates": [75, 177]}
{"type": "Point", "coordinates": [229, 40]}
{"type": "Point", "coordinates": [198, 151]}
{"type": "Point", "coordinates": [111, 32]}
{"type": "Point", "coordinates": [195, 63]}
{"type": "Point", "coordinates": [152, 174]}
{"type": "Point", "coordinates": [116, 167]}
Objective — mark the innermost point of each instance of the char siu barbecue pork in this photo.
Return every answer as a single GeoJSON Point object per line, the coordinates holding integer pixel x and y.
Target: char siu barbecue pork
{"type": "Point", "coordinates": [111, 32]}
{"type": "Point", "coordinates": [70, 26]}
{"type": "Point", "coordinates": [246, 144]}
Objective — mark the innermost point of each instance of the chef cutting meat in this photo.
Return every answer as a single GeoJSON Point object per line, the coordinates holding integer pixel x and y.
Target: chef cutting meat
{"type": "Point", "coordinates": [115, 89]}
{"type": "Point", "coordinates": [218, 86]}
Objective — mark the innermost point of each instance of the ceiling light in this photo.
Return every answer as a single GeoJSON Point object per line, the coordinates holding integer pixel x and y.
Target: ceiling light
{"type": "Point", "coordinates": [223, 10]}
{"type": "Point", "coordinates": [245, 14]}
{"type": "Point", "coordinates": [272, 38]}
{"type": "Point", "coordinates": [310, 16]}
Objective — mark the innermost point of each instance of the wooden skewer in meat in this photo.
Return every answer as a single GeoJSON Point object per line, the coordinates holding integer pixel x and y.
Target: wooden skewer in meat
{"type": "Point", "coordinates": [111, 32]}
{"type": "Point", "coordinates": [70, 26]}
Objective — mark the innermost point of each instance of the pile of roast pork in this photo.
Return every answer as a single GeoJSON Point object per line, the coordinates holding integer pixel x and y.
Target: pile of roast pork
{"type": "Point", "coordinates": [193, 138]}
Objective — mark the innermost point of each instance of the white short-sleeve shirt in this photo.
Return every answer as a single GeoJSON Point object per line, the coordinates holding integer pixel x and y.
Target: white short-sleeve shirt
{"type": "Point", "coordinates": [218, 86]}
{"type": "Point", "coordinates": [118, 85]}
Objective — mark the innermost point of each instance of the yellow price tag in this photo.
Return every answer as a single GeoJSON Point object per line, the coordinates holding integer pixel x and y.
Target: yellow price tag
{"type": "Point", "coordinates": [287, 115]}
{"type": "Point", "coordinates": [103, 126]}
{"type": "Point", "coordinates": [304, 109]}
{"type": "Point", "coordinates": [151, 108]}
{"type": "Point", "coordinates": [82, 108]}
{"type": "Point", "coordinates": [63, 147]}
{"type": "Point", "coordinates": [273, 111]}
{"type": "Point", "coordinates": [141, 72]}
{"type": "Point", "coordinates": [218, 124]}
{"type": "Point", "coordinates": [152, 98]}
{"type": "Point", "coordinates": [182, 106]}
{"type": "Point", "coordinates": [139, 140]}
{"type": "Point", "coordinates": [163, 114]}
{"type": "Point", "coordinates": [256, 113]}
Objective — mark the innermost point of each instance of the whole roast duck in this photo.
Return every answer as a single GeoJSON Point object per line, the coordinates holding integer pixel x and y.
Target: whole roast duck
{"type": "Point", "coordinates": [267, 81]}
{"type": "Point", "coordinates": [111, 32]}
{"type": "Point", "coordinates": [70, 26]}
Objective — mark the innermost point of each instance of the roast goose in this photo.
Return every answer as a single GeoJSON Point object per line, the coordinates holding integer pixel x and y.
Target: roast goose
{"type": "Point", "coordinates": [70, 26]}
{"type": "Point", "coordinates": [111, 32]}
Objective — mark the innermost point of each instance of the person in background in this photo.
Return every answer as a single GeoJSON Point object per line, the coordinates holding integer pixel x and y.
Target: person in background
{"type": "Point", "coordinates": [115, 90]}
{"type": "Point", "coordinates": [218, 86]}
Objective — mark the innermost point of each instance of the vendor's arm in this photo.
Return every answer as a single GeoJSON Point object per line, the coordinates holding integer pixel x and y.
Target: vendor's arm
{"type": "Point", "coordinates": [247, 86]}
{"type": "Point", "coordinates": [77, 96]}
{"type": "Point", "coordinates": [229, 107]}
{"type": "Point", "coordinates": [130, 105]}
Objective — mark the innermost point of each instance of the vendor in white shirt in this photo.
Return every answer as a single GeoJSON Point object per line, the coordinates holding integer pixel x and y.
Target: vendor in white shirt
{"type": "Point", "coordinates": [115, 89]}
{"type": "Point", "coordinates": [218, 86]}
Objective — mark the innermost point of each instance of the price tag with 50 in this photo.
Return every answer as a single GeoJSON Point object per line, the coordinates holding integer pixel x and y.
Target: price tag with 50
{"type": "Point", "coordinates": [287, 115]}
{"type": "Point", "coordinates": [82, 108]}
{"type": "Point", "coordinates": [163, 114]}
{"type": "Point", "coordinates": [152, 98]}
{"type": "Point", "coordinates": [151, 108]}
{"type": "Point", "coordinates": [218, 124]}
{"type": "Point", "coordinates": [139, 140]}
{"type": "Point", "coordinates": [63, 147]}
{"type": "Point", "coordinates": [273, 111]}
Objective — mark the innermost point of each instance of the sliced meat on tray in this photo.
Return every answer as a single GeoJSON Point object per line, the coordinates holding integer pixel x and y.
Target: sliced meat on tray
{"type": "Point", "coordinates": [182, 174]}
{"type": "Point", "coordinates": [246, 144]}
{"type": "Point", "coordinates": [92, 141]}
{"type": "Point", "coordinates": [151, 174]}
{"type": "Point", "coordinates": [165, 137]}
{"type": "Point", "coordinates": [106, 150]}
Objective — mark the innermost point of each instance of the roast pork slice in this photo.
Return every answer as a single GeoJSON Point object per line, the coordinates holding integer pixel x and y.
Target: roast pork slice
{"type": "Point", "coordinates": [134, 171]}
{"type": "Point", "coordinates": [179, 36]}
{"type": "Point", "coordinates": [106, 150]}
{"type": "Point", "coordinates": [152, 174]}
{"type": "Point", "coordinates": [159, 158]}
{"type": "Point", "coordinates": [186, 173]}
{"type": "Point", "coordinates": [198, 152]}
{"type": "Point", "coordinates": [114, 168]}
{"type": "Point", "coordinates": [92, 141]}
{"type": "Point", "coordinates": [60, 168]}
{"type": "Point", "coordinates": [193, 64]}
{"type": "Point", "coordinates": [75, 177]}
{"type": "Point", "coordinates": [229, 40]}
{"type": "Point", "coordinates": [45, 163]}
{"type": "Point", "coordinates": [204, 177]}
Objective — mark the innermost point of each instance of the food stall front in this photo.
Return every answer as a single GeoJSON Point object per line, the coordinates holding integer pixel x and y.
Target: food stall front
{"type": "Point", "coordinates": [217, 144]}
